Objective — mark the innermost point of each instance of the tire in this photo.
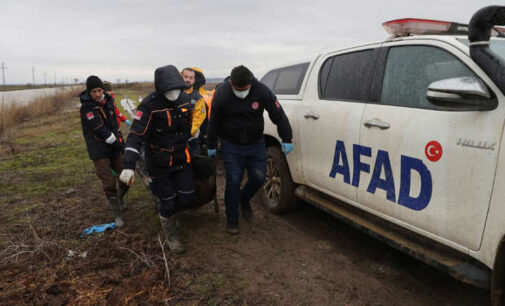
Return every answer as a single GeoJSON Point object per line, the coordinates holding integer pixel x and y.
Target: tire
{"type": "Point", "coordinates": [278, 192]}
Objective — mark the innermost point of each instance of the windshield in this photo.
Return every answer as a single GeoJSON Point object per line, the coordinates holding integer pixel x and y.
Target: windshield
{"type": "Point", "coordinates": [498, 46]}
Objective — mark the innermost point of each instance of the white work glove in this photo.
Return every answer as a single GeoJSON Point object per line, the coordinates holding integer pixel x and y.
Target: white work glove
{"type": "Point", "coordinates": [111, 139]}
{"type": "Point", "coordinates": [127, 176]}
{"type": "Point", "coordinates": [197, 134]}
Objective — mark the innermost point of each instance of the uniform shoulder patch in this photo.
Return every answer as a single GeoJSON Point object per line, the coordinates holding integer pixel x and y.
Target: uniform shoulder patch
{"type": "Point", "coordinates": [90, 115]}
{"type": "Point", "coordinates": [138, 115]}
{"type": "Point", "coordinates": [277, 104]}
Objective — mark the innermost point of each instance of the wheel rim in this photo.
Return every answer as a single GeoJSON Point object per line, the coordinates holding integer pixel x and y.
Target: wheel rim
{"type": "Point", "coordinates": [272, 187]}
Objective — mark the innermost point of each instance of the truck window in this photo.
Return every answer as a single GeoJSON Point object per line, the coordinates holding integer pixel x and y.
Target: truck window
{"type": "Point", "coordinates": [348, 77]}
{"type": "Point", "coordinates": [286, 80]}
{"type": "Point", "coordinates": [411, 69]}
{"type": "Point", "coordinates": [269, 79]}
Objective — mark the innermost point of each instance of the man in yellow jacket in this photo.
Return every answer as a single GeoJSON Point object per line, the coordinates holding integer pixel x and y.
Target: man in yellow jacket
{"type": "Point", "coordinates": [199, 110]}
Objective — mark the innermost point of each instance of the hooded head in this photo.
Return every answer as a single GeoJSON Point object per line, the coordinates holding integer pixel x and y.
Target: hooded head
{"type": "Point", "coordinates": [199, 78]}
{"type": "Point", "coordinates": [168, 78]}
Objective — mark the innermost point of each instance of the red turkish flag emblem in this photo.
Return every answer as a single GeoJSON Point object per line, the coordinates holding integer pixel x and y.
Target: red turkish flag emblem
{"type": "Point", "coordinates": [138, 115]}
{"type": "Point", "coordinates": [277, 104]}
{"type": "Point", "coordinates": [255, 105]}
{"type": "Point", "coordinates": [433, 151]}
{"type": "Point", "coordinates": [90, 115]}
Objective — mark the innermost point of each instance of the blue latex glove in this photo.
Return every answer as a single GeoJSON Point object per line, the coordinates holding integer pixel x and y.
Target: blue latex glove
{"type": "Point", "coordinates": [211, 152]}
{"type": "Point", "coordinates": [128, 122]}
{"type": "Point", "coordinates": [287, 147]}
{"type": "Point", "coordinates": [98, 228]}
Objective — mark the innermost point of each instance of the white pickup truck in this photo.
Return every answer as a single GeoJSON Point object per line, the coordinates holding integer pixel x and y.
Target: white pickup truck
{"type": "Point", "coordinates": [404, 139]}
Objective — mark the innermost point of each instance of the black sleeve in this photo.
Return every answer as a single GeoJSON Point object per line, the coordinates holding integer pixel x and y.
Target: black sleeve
{"type": "Point", "coordinates": [215, 120]}
{"type": "Point", "coordinates": [277, 115]}
{"type": "Point", "coordinates": [95, 122]}
{"type": "Point", "coordinates": [138, 131]}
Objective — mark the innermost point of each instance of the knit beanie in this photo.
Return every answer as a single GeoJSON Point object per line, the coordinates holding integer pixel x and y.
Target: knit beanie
{"type": "Point", "coordinates": [93, 82]}
{"type": "Point", "coordinates": [107, 86]}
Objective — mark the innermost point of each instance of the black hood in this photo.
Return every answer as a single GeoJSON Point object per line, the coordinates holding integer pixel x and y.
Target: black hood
{"type": "Point", "coordinates": [168, 78]}
{"type": "Point", "coordinates": [199, 78]}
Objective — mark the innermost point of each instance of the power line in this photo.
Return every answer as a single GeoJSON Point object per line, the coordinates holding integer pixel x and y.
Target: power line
{"type": "Point", "coordinates": [3, 72]}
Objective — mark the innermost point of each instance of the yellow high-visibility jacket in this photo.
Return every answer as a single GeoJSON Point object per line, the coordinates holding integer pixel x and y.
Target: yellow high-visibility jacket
{"type": "Point", "coordinates": [199, 112]}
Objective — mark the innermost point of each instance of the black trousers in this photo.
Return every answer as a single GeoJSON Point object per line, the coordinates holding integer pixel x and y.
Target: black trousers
{"type": "Point", "coordinates": [175, 190]}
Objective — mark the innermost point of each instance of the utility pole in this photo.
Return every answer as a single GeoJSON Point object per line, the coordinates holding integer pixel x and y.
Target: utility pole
{"type": "Point", "coordinates": [45, 78]}
{"type": "Point", "coordinates": [54, 78]}
{"type": "Point", "coordinates": [33, 74]}
{"type": "Point", "coordinates": [3, 72]}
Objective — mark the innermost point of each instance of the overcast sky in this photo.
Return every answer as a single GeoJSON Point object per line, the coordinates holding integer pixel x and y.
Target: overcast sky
{"type": "Point", "coordinates": [129, 39]}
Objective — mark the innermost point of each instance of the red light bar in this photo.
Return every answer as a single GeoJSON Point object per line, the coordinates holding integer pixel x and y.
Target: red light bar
{"type": "Point", "coordinates": [406, 26]}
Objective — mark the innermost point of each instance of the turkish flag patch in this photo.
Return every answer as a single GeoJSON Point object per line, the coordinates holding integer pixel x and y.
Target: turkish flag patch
{"type": "Point", "coordinates": [90, 115]}
{"type": "Point", "coordinates": [138, 115]}
{"type": "Point", "coordinates": [255, 105]}
{"type": "Point", "coordinates": [277, 104]}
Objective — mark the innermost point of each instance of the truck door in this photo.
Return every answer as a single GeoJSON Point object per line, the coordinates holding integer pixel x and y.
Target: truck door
{"type": "Point", "coordinates": [329, 119]}
{"type": "Point", "coordinates": [425, 166]}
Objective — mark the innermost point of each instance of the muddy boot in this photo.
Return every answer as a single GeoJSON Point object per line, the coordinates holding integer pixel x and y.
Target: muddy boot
{"type": "Point", "coordinates": [232, 227]}
{"type": "Point", "coordinates": [116, 211]}
{"type": "Point", "coordinates": [121, 192]}
{"type": "Point", "coordinates": [177, 220]}
{"type": "Point", "coordinates": [245, 210]}
{"type": "Point", "coordinates": [168, 225]}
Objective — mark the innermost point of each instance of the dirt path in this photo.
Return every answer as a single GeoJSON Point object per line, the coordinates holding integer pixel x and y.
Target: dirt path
{"type": "Point", "coordinates": [309, 257]}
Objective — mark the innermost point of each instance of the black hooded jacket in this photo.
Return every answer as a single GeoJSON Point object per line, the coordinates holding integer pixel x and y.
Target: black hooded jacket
{"type": "Point", "coordinates": [98, 122]}
{"type": "Point", "coordinates": [162, 126]}
{"type": "Point", "coordinates": [241, 120]}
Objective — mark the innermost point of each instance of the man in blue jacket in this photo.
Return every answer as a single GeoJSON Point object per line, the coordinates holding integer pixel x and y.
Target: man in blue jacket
{"type": "Point", "coordinates": [104, 142]}
{"type": "Point", "coordinates": [237, 118]}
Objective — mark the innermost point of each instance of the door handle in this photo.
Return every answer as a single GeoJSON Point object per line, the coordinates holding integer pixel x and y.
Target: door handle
{"type": "Point", "coordinates": [312, 115]}
{"type": "Point", "coordinates": [377, 123]}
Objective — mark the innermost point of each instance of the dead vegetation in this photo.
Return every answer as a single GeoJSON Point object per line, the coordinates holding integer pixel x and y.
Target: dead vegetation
{"type": "Point", "coordinates": [11, 114]}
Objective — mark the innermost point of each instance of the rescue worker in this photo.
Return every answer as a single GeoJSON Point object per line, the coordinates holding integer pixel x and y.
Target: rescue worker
{"type": "Point", "coordinates": [104, 142]}
{"type": "Point", "coordinates": [237, 117]}
{"type": "Point", "coordinates": [199, 111]}
{"type": "Point", "coordinates": [199, 82]}
{"type": "Point", "coordinates": [120, 117]}
{"type": "Point", "coordinates": [162, 125]}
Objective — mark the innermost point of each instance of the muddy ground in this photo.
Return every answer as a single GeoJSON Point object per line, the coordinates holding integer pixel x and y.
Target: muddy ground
{"type": "Point", "coordinates": [302, 258]}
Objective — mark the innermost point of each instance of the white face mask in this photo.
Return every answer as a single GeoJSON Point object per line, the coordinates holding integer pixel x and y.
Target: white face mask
{"type": "Point", "coordinates": [172, 95]}
{"type": "Point", "coordinates": [241, 94]}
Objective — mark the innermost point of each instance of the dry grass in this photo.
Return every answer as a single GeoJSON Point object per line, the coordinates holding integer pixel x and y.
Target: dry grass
{"type": "Point", "coordinates": [139, 87]}
{"type": "Point", "coordinates": [11, 115]}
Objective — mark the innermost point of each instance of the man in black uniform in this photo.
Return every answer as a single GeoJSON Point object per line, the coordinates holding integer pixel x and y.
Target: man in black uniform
{"type": "Point", "coordinates": [162, 124]}
{"type": "Point", "coordinates": [237, 117]}
{"type": "Point", "coordinates": [104, 142]}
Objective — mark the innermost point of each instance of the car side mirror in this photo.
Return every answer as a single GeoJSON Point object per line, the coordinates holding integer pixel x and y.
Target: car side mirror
{"type": "Point", "coordinates": [465, 93]}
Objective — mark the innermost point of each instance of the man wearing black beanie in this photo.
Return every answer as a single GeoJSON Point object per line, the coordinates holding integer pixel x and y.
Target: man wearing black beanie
{"type": "Point", "coordinates": [104, 142]}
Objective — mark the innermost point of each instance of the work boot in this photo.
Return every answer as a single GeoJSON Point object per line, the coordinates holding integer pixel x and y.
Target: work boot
{"type": "Point", "coordinates": [245, 210]}
{"type": "Point", "coordinates": [168, 226]}
{"type": "Point", "coordinates": [116, 211]}
{"type": "Point", "coordinates": [121, 192]}
{"type": "Point", "coordinates": [177, 221]}
{"type": "Point", "coordinates": [232, 227]}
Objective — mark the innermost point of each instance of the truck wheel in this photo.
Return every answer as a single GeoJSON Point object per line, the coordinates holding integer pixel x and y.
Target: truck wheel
{"type": "Point", "coordinates": [278, 192]}
{"type": "Point", "coordinates": [498, 278]}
